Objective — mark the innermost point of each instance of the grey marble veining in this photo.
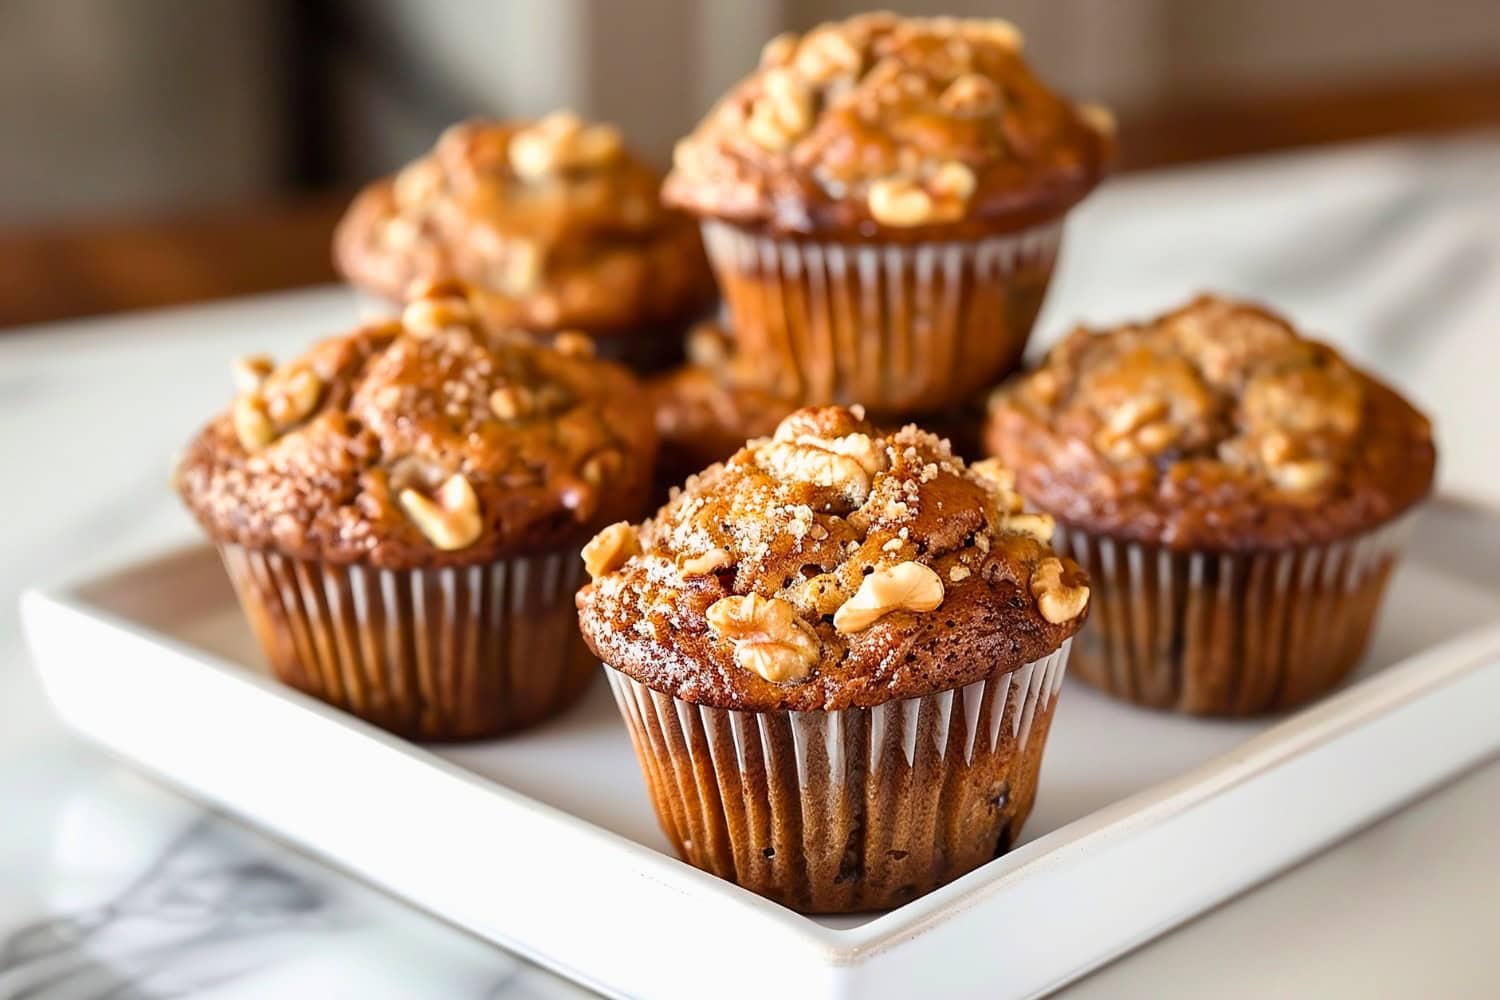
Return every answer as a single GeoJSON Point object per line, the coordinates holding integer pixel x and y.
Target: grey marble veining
{"type": "Point", "coordinates": [112, 887]}
{"type": "Point", "coordinates": [202, 913]}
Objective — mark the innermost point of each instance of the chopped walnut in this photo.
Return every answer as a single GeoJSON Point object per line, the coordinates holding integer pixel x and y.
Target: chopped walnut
{"type": "Point", "coordinates": [574, 344]}
{"type": "Point", "coordinates": [823, 594]}
{"type": "Point", "coordinates": [1301, 476]}
{"type": "Point", "coordinates": [1001, 482]}
{"type": "Point", "coordinates": [519, 269]}
{"type": "Point", "coordinates": [845, 463]}
{"type": "Point", "coordinates": [277, 401]}
{"type": "Point", "coordinates": [1058, 602]}
{"type": "Point", "coordinates": [907, 586]}
{"type": "Point", "coordinates": [561, 141]}
{"type": "Point", "coordinates": [251, 370]}
{"type": "Point", "coordinates": [791, 100]}
{"type": "Point", "coordinates": [971, 95]}
{"type": "Point", "coordinates": [900, 201]}
{"type": "Point", "coordinates": [434, 314]}
{"type": "Point", "coordinates": [251, 424]}
{"type": "Point", "coordinates": [290, 395]}
{"type": "Point", "coordinates": [953, 183]}
{"type": "Point", "coordinates": [1038, 526]}
{"type": "Point", "coordinates": [610, 549]}
{"type": "Point", "coordinates": [707, 562]}
{"type": "Point", "coordinates": [450, 520]}
{"type": "Point", "coordinates": [827, 53]}
{"type": "Point", "coordinates": [418, 183]}
{"type": "Point", "coordinates": [511, 402]}
{"type": "Point", "coordinates": [779, 50]}
{"type": "Point", "coordinates": [767, 636]}
{"type": "Point", "coordinates": [600, 466]}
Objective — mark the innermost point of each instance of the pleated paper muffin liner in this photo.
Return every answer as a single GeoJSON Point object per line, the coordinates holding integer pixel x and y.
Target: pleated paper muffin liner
{"type": "Point", "coordinates": [1223, 633]}
{"type": "Point", "coordinates": [431, 654]}
{"type": "Point", "coordinates": [859, 809]}
{"type": "Point", "coordinates": [898, 328]}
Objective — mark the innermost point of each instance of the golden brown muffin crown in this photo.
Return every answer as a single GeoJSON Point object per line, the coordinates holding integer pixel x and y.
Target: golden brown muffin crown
{"type": "Point", "coordinates": [884, 122]}
{"type": "Point", "coordinates": [830, 565]}
{"type": "Point", "coordinates": [1217, 425]}
{"type": "Point", "coordinates": [424, 441]}
{"type": "Point", "coordinates": [554, 220]}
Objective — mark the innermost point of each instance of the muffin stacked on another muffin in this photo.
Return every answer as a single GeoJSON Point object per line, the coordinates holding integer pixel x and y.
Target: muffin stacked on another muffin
{"type": "Point", "coordinates": [702, 415]}
{"type": "Point", "coordinates": [1236, 493]}
{"type": "Point", "coordinates": [401, 512]}
{"type": "Point", "coordinates": [554, 224]}
{"type": "Point", "coordinates": [837, 655]}
{"type": "Point", "coordinates": [882, 201]}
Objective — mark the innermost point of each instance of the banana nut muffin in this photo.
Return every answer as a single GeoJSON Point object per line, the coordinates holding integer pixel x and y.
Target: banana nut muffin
{"type": "Point", "coordinates": [554, 222]}
{"type": "Point", "coordinates": [882, 200]}
{"type": "Point", "coordinates": [401, 510]}
{"type": "Point", "coordinates": [1236, 491]}
{"type": "Point", "coordinates": [702, 415]}
{"type": "Point", "coordinates": [829, 629]}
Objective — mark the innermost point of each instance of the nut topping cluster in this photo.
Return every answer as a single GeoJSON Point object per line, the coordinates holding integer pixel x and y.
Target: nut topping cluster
{"type": "Point", "coordinates": [767, 636]}
{"type": "Point", "coordinates": [907, 586]}
{"type": "Point", "coordinates": [903, 115]}
{"type": "Point", "coordinates": [822, 548]}
{"type": "Point", "coordinates": [1215, 382]}
{"type": "Point", "coordinates": [1213, 425]}
{"type": "Point", "coordinates": [559, 142]}
{"type": "Point", "coordinates": [419, 437]}
{"type": "Point", "coordinates": [608, 550]}
{"type": "Point", "coordinates": [553, 220]}
{"type": "Point", "coordinates": [450, 519]}
{"type": "Point", "coordinates": [271, 401]}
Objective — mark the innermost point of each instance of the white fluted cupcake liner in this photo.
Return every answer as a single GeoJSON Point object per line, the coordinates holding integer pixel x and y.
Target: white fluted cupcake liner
{"type": "Point", "coordinates": [1224, 633]}
{"type": "Point", "coordinates": [859, 809]}
{"type": "Point", "coordinates": [432, 654]}
{"type": "Point", "coordinates": [899, 328]}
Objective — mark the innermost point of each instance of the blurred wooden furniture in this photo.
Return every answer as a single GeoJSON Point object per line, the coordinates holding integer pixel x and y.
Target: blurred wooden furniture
{"type": "Point", "coordinates": [97, 268]}
{"type": "Point", "coordinates": [82, 270]}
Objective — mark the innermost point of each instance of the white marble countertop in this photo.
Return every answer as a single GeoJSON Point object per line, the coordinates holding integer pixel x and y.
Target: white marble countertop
{"type": "Point", "coordinates": [112, 886]}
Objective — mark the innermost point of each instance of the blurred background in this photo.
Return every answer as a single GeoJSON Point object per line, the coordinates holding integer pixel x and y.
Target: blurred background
{"type": "Point", "coordinates": [161, 151]}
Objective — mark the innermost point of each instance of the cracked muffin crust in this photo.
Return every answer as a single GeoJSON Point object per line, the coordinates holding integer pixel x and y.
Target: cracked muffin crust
{"type": "Point", "coordinates": [891, 125]}
{"type": "Point", "coordinates": [554, 222]}
{"type": "Point", "coordinates": [830, 566]}
{"type": "Point", "coordinates": [1215, 426]}
{"type": "Point", "coordinates": [422, 442]}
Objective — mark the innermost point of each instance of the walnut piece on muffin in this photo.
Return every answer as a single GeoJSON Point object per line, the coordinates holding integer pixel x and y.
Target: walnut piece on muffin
{"type": "Point", "coordinates": [892, 125]}
{"type": "Point", "coordinates": [554, 222]}
{"type": "Point", "coordinates": [831, 566]}
{"type": "Point", "coordinates": [429, 440]}
{"type": "Point", "coordinates": [1215, 426]}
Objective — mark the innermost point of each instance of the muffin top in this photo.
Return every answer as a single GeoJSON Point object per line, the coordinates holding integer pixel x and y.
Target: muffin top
{"type": "Point", "coordinates": [422, 442]}
{"type": "Point", "coordinates": [830, 566]}
{"type": "Point", "coordinates": [553, 222]}
{"type": "Point", "coordinates": [892, 126]}
{"type": "Point", "coordinates": [1215, 426]}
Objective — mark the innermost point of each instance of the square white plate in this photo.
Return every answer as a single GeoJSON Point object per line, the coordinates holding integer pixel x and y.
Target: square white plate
{"type": "Point", "coordinates": [546, 842]}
